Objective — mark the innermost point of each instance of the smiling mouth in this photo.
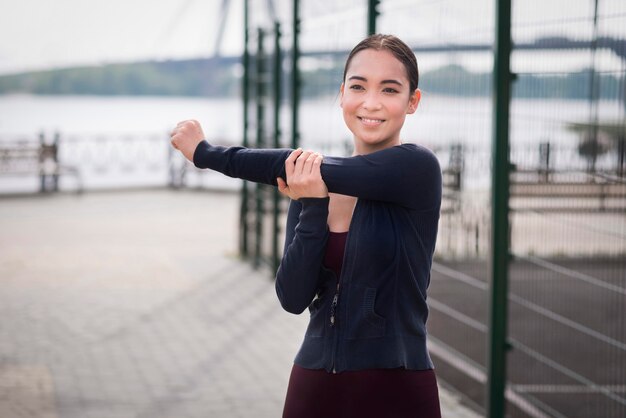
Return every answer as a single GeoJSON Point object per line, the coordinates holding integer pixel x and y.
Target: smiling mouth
{"type": "Point", "coordinates": [369, 121]}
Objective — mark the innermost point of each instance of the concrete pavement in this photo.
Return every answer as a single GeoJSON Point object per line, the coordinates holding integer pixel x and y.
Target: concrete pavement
{"type": "Point", "coordinates": [133, 304]}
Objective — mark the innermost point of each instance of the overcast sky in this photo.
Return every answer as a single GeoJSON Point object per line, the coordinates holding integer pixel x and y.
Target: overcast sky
{"type": "Point", "coordinates": [58, 33]}
{"type": "Point", "coordinates": [38, 34]}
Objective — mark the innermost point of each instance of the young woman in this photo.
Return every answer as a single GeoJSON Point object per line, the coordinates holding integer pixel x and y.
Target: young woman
{"type": "Point", "coordinates": [360, 238]}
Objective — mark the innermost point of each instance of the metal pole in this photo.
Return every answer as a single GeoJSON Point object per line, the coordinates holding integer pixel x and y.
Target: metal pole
{"type": "Point", "coordinates": [593, 93]}
{"type": "Point", "coordinates": [54, 151]}
{"type": "Point", "coordinates": [42, 173]}
{"type": "Point", "coordinates": [277, 102]}
{"type": "Point", "coordinates": [295, 76]}
{"type": "Point", "coordinates": [499, 252]}
{"type": "Point", "coordinates": [260, 141]}
{"type": "Point", "coordinates": [243, 213]}
{"type": "Point", "coordinates": [372, 14]}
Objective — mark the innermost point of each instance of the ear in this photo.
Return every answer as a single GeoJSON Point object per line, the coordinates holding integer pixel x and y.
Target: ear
{"type": "Point", "coordinates": [414, 101]}
{"type": "Point", "coordinates": [341, 94]}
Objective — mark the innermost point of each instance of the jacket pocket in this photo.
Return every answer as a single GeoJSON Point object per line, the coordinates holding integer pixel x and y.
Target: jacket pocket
{"type": "Point", "coordinates": [366, 322]}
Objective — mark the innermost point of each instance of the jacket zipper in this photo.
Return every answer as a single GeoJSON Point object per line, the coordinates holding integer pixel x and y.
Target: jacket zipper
{"type": "Point", "coordinates": [333, 307]}
{"type": "Point", "coordinates": [333, 319]}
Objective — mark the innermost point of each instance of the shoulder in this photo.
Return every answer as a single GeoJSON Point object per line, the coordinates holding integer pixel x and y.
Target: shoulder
{"type": "Point", "coordinates": [419, 155]}
{"type": "Point", "coordinates": [419, 151]}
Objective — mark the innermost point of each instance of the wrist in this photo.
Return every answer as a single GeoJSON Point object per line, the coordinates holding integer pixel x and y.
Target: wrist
{"type": "Point", "coordinates": [200, 151]}
{"type": "Point", "coordinates": [314, 201]}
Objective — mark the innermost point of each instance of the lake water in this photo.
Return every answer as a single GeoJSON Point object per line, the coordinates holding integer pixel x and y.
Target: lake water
{"type": "Point", "coordinates": [123, 141]}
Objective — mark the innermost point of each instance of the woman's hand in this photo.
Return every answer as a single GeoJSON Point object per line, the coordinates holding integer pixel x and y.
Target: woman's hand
{"type": "Point", "coordinates": [304, 176]}
{"type": "Point", "coordinates": [186, 137]}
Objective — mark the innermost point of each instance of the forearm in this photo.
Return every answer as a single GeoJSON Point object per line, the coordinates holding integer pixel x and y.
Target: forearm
{"type": "Point", "coordinates": [257, 165]}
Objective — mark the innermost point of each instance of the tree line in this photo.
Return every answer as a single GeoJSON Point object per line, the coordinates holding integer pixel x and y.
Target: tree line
{"type": "Point", "coordinates": [215, 78]}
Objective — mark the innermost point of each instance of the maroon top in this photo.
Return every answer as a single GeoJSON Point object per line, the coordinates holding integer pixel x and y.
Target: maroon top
{"type": "Point", "coordinates": [335, 248]}
{"type": "Point", "coordinates": [379, 393]}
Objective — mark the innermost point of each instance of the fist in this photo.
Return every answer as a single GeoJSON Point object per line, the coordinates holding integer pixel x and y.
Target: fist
{"type": "Point", "coordinates": [186, 137]}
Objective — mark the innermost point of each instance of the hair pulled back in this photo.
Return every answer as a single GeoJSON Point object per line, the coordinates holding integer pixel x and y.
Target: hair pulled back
{"type": "Point", "coordinates": [397, 47]}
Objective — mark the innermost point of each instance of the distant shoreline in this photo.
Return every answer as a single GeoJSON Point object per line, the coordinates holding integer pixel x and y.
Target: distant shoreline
{"type": "Point", "coordinates": [222, 79]}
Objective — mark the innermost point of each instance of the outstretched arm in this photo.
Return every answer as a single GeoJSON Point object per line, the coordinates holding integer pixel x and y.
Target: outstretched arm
{"type": "Point", "coordinates": [257, 165]}
{"type": "Point", "coordinates": [408, 175]}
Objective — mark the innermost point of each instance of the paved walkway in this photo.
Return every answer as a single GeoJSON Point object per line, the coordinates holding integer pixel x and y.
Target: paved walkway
{"type": "Point", "coordinates": [133, 304]}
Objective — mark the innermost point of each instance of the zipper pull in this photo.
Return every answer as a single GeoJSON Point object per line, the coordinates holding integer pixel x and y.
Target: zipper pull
{"type": "Point", "coordinates": [333, 306]}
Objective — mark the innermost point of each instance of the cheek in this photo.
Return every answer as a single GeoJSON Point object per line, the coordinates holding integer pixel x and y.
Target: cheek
{"type": "Point", "coordinates": [348, 118]}
{"type": "Point", "coordinates": [349, 109]}
{"type": "Point", "coordinates": [398, 108]}
{"type": "Point", "coordinates": [347, 103]}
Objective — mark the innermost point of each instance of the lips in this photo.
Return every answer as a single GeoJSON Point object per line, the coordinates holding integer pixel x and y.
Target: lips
{"type": "Point", "coordinates": [370, 122]}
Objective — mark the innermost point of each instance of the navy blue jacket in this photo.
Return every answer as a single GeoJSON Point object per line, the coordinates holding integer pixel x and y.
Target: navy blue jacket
{"type": "Point", "coordinates": [377, 316]}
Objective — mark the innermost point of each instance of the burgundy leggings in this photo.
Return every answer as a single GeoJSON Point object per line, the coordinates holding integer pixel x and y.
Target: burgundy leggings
{"type": "Point", "coordinates": [379, 393]}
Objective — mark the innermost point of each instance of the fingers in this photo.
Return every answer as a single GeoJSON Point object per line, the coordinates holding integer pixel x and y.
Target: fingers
{"type": "Point", "coordinates": [317, 164]}
{"type": "Point", "coordinates": [308, 163]}
{"type": "Point", "coordinates": [304, 178]}
{"type": "Point", "coordinates": [294, 155]}
{"type": "Point", "coordinates": [184, 126]}
{"type": "Point", "coordinates": [305, 162]}
{"type": "Point", "coordinates": [191, 122]}
{"type": "Point", "coordinates": [290, 163]}
{"type": "Point", "coordinates": [300, 163]}
{"type": "Point", "coordinates": [311, 164]}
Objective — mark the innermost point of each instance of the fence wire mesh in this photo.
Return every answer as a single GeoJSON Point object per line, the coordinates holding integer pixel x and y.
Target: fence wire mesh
{"type": "Point", "coordinates": [568, 275]}
{"type": "Point", "coordinates": [567, 299]}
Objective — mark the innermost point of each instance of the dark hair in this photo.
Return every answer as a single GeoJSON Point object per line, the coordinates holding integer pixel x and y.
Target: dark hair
{"type": "Point", "coordinates": [398, 48]}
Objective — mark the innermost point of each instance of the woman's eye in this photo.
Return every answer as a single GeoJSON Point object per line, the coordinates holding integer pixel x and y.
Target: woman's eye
{"type": "Point", "coordinates": [356, 87]}
{"type": "Point", "coordinates": [390, 90]}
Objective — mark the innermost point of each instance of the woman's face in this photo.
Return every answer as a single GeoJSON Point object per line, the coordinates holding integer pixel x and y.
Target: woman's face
{"type": "Point", "coordinates": [375, 98]}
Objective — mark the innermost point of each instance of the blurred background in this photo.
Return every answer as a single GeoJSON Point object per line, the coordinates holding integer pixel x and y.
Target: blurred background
{"type": "Point", "coordinates": [124, 270]}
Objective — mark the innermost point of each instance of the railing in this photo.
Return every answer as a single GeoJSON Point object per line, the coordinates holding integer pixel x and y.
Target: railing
{"type": "Point", "coordinates": [89, 162]}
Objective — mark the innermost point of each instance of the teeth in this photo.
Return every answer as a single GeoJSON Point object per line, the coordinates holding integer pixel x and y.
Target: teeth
{"type": "Point", "coordinates": [371, 120]}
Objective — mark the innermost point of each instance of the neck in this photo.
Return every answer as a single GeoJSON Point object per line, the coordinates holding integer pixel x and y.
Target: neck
{"type": "Point", "coordinates": [361, 148]}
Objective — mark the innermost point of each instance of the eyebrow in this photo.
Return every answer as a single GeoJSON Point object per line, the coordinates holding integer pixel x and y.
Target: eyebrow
{"type": "Point", "coordinates": [390, 81]}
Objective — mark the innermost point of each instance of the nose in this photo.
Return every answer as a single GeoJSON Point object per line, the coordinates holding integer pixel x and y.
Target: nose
{"type": "Point", "coordinates": [371, 101]}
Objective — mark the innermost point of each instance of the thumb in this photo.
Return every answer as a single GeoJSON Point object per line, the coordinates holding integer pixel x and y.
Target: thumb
{"type": "Point", "coordinates": [282, 186]}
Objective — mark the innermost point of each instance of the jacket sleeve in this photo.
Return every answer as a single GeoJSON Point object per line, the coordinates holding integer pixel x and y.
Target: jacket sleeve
{"type": "Point", "coordinates": [305, 244]}
{"type": "Point", "coordinates": [408, 175]}
{"type": "Point", "coordinates": [257, 165]}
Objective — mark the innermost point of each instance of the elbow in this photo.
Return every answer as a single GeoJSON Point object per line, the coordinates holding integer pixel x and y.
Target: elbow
{"type": "Point", "coordinates": [290, 303]}
{"type": "Point", "coordinates": [295, 309]}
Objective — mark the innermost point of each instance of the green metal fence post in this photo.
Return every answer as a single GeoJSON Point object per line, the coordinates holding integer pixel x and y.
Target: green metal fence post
{"type": "Point", "coordinates": [42, 176]}
{"type": "Point", "coordinates": [277, 70]}
{"type": "Point", "coordinates": [497, 344]}
{"type": "Point", "coordinates": [261, 80]}
{"type": "Point", "coordinates": [295, 76]}
{"type": "Point", "coordinates": [243, 213]}
{"type": "Point", "coordinates": [372, 15]}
